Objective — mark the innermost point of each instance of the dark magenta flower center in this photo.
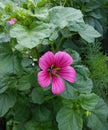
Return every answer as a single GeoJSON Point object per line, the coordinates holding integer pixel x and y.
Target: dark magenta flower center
{"type": "Point", "coordinates": [52, 70]}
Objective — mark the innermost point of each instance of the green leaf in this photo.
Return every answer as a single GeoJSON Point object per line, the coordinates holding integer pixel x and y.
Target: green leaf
{"type": "Point", "coordinates": [97, 119]}
{"type": "Point", "coordinates": [93, 5]}
{"type": "Point", "coordinates": [62, 16]}
{"type": "Point", "coordinates": [99, 27]}
{"type": "Point", "coordinates": [73, 19]}
{"type": "Point", "coordinates": [89, 101]}
{"type": "Point", "coordinates": [97, 24]}
{"type": "Point", "coordinates": [41, 13]}
{"type": "Point", "coordinates": [38, 95]}
{"type": "Point", "coordinates": [66, 33]}
{"type": "Point", "coordinates": [96, 14]}
{"type": "Point", "coordinates": [54, 36]}
{"type": "Point", "coordinates": [32, 36]}
{"type": "Point", "coordinates": [24, 83]}
{"type": "Point", "coordinates": [19, 82]}
{"type": "Point", "coordinates": [16, 126]}
{"type": "Point", "coordinates": [70, 44]}
{"type": "Point", "coordinates": [3, 84]}
{"type": "Point", "coordinates": [41, 114]}
{"type": "Point", "coordinates": [75, 55]}
{"type": "Point", "coordinates": [86, 31]}
{"type": "Point", "coordinates": [9, 62]}
{"type": "Point", "coordinates": [83, 84]}
{"type": "Point", "coordinates": [83, 70]}
{"type": "Point", "coordinates": [7, 100]}
{"type": "Point", "coordinates": [39, 126]}
{"type": "Point", "coordinates": [89, 33]}
{"type": "Point", "coordinates": [69, 92]}
{"type": "Point", "coordinates": [22, 109]}
{"type": "Point", "coordinates": [69, 119]}
{"type": "Point", "coordinates": [2, 5]}
{"type": "Point", "coordinates": [4, 37]}
{"type": "Point", "coordinates": [41, 3]}
{"type": "Point", "coordinates": [30, 126]}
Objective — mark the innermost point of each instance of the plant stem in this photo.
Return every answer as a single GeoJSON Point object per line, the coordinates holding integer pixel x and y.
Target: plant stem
{"type": "Point", "coordinates": [9, 126]}
{"type": "Point", "coordinates": [64, 2]}
{"type": "Point", "coordinates": [37, 52]}
{"type": "Point", "coordinates": [52, 47]}
{"type": "Point", "coordinates": [59, 44]}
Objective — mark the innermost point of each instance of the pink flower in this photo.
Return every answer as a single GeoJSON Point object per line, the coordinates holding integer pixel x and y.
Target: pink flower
{"type": "Point", "coordinates": [55, 68]}
{"type": "Point", "coordinates": [12, 21]}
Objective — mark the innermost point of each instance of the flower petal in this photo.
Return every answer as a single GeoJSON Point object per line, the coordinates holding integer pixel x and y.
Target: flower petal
{"type": "Point", "coordinates": [43, 79]}
{"type": "Point", "coordinates": [68, 73]}
{"type": "Point", "coordinates": [12, 21]}
{"type": "Point", "coordinates": [46, 60]}
{"type": "Point", "coordinates": [58, 85]}
{"type": "Point", "coordinates": [63, 59]}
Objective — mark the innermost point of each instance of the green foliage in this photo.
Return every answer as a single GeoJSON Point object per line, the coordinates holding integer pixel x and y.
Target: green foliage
{"type": "Point", "coordinates": [97, 118]}
{"type": "Point", "coordinates": [95, 11]}
{"type": "Point", "coordinates": [38, 95]}
{"type": "Point", "coordinates": [4, 37]}
{"type": "Point", "coordinates": [9, 60]}
{"type": "Point", "coordinates": [7, 101]}
{"type": "Point", "coordinates": [31, 36]}
{"type": "Point", "coordinates": [74, 21]}
{"type": "Point", "coordinates": [89, 101]}
{"type": "Point", "coordinates": [97, 63]}
{"type": "Point", "coordinates": [83, 84]}
{"type": "Point", "coordinates": [41, 26]}
{"type": "Point", "coordinates": [58, 18]}
{"type": "Point", "coordinates": [69, 119]}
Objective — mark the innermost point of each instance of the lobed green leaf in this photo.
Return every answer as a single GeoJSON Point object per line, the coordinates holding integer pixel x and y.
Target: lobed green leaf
{"type": "Point", "coordinates": [7, 101]}
{"type": "Point", "coordinates": [69, 119]}
{"type": "Point", "coordinates": [88, 101]}
{"type": "Point", "coordinates": [98, 117]}
{"type": "Point", "coordinates": [33, 36]}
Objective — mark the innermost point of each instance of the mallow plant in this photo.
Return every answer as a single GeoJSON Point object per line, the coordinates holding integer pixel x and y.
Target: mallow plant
{"type": "Point", "coordinates": [44, 84]}
{"type": "Point", "coordinates": [54, 68]}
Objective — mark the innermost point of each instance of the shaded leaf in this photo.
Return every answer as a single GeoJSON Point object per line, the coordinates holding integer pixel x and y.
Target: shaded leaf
{"type": "Point", "coordinates": [3, 84]}
{"type": "Point", "coordinates": [9, 62]}
{"type": "Point", "coordinates": [22, 109]}
{"type": "Point", "coordinates": [41, 114]}
{"type": "Point", "coordinates": [83, 70]}
{"type": "Point", "coordinates": [7, 100]}
{"type": "Point", "coordinates": [24, 83]}
{"type": "Point", "coordinates": [38, 95]}
{"type": "Point", "coordinates": [89, 33]}
{"type": "Point", "coordinates": [70, 92]}
{"type": "Point", "coordinates": [86, 31]}
{"type": "Point", "coordinates": [89, 101]}
{"type": "Point", "coordinates": [30, 125]}
{"type": "Point", "coordinates": [82, 84]}
{"type": "Point", "coordinates": [98, 117]}
{"type": "Point", "coordinates": [75, 55]}
{"type": "Point", "coordinates": [69, 119]}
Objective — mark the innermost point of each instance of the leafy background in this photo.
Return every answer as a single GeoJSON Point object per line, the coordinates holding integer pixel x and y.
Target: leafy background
{"type": "Point", "coordinates": [78, 27]}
